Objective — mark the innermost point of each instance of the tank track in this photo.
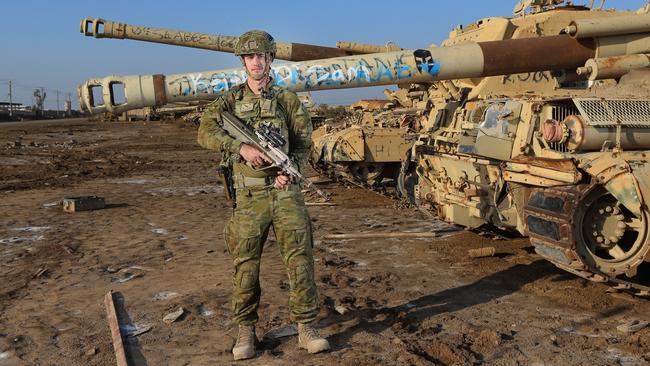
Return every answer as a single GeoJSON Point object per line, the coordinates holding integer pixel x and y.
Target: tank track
{"type": "Point", "coordinates": [552, 233]}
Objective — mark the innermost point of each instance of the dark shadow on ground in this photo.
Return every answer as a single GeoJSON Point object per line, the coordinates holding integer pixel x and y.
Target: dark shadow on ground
{"type": "Point", "coordinates": [134, 356]}
{"type": "Point", "coordinates": [115, 205]}
{"type": "Point", "coordinates": [415, 311]}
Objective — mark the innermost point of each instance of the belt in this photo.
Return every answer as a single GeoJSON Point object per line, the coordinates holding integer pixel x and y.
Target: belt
{"type": "Point", "coordinates": [242, 181]}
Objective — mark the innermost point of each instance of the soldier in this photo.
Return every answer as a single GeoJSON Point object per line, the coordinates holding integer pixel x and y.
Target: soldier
{"type": "Point", "coordinates": [264, 196]}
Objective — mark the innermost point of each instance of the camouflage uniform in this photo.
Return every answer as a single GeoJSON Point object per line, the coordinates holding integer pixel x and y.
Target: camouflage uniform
{"type": "Point", "coordinates": [259, 205]}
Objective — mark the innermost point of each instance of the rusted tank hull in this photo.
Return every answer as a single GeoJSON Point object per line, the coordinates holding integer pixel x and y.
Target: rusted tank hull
{"type": "Point", "coordinates": [583, 202]}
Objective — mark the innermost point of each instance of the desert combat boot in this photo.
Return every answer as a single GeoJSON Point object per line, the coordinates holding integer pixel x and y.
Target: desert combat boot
{"type": "Point", "coordinates": [309, 339]}
{"type": "Point", "coordinates": [245, 346]}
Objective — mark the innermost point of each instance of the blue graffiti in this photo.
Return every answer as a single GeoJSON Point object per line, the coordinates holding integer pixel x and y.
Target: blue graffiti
{"type": "Point", "coordinates": [402, 70]}
{"type": "Point", "coordinates": [215, 83]}
{"type": "Point", "coordinates": [310, 76]}
{"type": "Point", "coordinates": [425, 62]}
{"type": "Point", "coordinates": [433, 68]}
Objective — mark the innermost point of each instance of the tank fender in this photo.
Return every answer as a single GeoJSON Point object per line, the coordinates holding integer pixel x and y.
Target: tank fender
{"type": "Point", "coordinates": [346, 145]}
{"type": "Point", "coordinates": [623, 180]}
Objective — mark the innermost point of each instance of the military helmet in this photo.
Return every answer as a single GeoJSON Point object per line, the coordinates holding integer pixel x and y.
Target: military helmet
{"type": "Point", "coordinates": [255, 41]}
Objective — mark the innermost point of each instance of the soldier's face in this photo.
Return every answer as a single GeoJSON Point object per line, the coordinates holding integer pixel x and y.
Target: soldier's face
{"type": "Point", "coordinates": [257, 64]}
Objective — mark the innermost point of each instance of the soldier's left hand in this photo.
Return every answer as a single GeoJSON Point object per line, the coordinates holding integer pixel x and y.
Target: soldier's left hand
{"type": "Point", "coordinates": [282, 180]}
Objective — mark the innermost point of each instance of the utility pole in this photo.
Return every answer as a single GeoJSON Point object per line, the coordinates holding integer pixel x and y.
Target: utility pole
{"type": "Point", "coordinates": [58, 109]}
{"type": "Point", "coordinates": [42, 101]}
{"type": "Point", "coordinates": [11, 103]}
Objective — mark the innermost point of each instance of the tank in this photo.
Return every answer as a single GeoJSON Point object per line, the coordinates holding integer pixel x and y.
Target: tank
{"type": "Point", "coordinates": [369, 147]}
{"type": "Point", "coordinates": [517, 132]}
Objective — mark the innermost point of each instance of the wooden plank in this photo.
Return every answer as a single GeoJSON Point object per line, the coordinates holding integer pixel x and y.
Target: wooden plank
{"type": "Point", "coordinates": [120, 355]}
{"type": "Point", "coordinates": [320, 204]}
{"type": "Point", "coordinates": [380, 235]}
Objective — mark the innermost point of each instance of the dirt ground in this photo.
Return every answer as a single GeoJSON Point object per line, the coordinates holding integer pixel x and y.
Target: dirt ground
{"type": "Point", "coordinates": [159, 245]}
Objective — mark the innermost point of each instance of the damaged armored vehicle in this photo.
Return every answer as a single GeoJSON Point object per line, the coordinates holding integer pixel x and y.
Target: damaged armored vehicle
{"type": "Point", "coordinates": [537, 123]}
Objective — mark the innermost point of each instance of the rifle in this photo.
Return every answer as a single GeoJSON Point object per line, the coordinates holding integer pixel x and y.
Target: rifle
{"type": "Point", "coordinates": [269, 142]}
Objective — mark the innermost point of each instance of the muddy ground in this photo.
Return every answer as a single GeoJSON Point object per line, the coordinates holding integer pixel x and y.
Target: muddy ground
{"type": "Point", "coordinates": [159, 244]}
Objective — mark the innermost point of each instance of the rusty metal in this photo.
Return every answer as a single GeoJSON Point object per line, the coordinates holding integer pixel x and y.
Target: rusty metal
{"type": "Point", "coordinates": [535, 54]}
{"type": "Point", "coordinates": [160, 96]}
{"type": "Point", "coordinates": [481, 252]}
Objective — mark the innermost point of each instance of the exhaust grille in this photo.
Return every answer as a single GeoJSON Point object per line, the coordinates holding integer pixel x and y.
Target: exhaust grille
{"type": "Point", "coordinates": [609, 112]}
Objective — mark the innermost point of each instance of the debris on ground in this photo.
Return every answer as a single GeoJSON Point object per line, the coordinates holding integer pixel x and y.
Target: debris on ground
{"type": "Point", "coordinates": [482, 252]}
{"type": "Point", "coordinates": [85, 203]}
{"type": "Point", "coordinates": [632, 326]}
{"type": "Point", "coordinates": [174, 316]}
{"type": "Point", "coordinates": [114, 325]}
{"type": "Point", "coordinates": [281, 332]}
{"type": "Point", "coordinates": [40, 272]}
{"type": "Point", "coordinates": [138, 330]}
{"type": "Point", "coordinates": [164, 295]}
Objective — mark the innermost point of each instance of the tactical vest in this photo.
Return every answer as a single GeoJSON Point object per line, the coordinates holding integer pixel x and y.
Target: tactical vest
{"type": "Point", "coordinates": [255, 110]}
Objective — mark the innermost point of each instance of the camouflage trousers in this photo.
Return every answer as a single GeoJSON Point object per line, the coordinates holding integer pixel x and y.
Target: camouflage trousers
{"type": "Point", "coordinates": [256, 211]}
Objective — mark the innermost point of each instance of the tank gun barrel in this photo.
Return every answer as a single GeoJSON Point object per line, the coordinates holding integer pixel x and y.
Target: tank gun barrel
{"type": "Point", "coordinates": [467, 60]}
{"type": "Point", "coordinates": [609, 26]}
{"type": "Point", "coordinates": [362, 48]}
{"type": "Point", "coordinates": [101, 28]}
{"type": "Point", "coordinates": [613, 67]}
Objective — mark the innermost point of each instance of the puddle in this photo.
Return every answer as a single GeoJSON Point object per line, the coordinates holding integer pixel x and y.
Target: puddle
{"type": "Point", "coordinates": [159, 231]}
{"type": "Point", "coordinates": [25, 239]}
{"type": "Point", "coordinates": [132, 181]}
{"type": "Point", "coordinates": [21, 239]}
{"type": "Point", "coordinates": [127, 277]}
{"type": "Point", "coordinates": [574, 331]}
{"type": "Point", "coordinates": [205, 312]}
{"type": "Point", "coordinates": [184, 191]}
{"type": "Point", "coordinates": [64, 326]}
{"type": "Point", "coordinates": [31, 229]}
{"type": "Point", "coordinates": [14, 161]}
{"type": "Point", "coordinates": [164, 295]}
{"type": "Point", "coordinates": [358, 264]}
{"type": "Point", "coordinates": [623, 359]}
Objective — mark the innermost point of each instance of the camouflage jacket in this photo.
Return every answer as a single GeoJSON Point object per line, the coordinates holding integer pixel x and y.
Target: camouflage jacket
{"type": "Point", "coordinates": [277, 105]}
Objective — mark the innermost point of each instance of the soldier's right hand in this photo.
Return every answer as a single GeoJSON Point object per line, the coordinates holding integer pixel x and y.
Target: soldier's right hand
{"type": "Point", "coordinates": [253, 156]}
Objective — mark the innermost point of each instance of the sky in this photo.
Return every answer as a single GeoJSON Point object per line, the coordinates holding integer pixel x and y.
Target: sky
{"type": "Point", "coordinates": [42, 46]}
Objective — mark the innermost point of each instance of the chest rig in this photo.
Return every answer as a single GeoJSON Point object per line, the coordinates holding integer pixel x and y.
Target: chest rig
{"type": "Point", "coordinates": [257, 110]}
